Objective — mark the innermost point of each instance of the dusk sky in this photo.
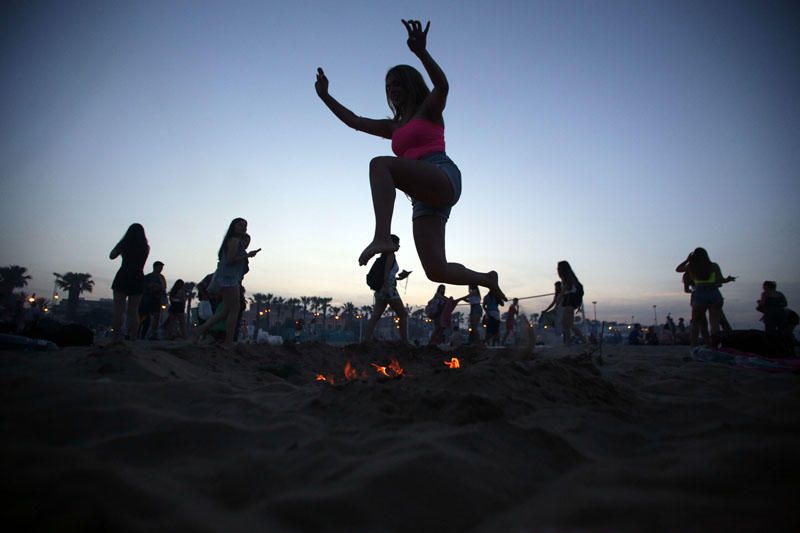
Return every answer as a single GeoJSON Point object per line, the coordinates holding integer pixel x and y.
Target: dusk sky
{"type": "Point", "coordinates": [617, 135]}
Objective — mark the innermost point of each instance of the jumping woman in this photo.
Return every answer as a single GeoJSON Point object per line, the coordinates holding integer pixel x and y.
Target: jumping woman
{"type": "Point", "coordinates": [421, 169]}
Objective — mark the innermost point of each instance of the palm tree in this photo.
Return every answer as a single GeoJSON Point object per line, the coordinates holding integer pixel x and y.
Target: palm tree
{"type": "Point", "coordinates": [294, 305]}
{"type": "Point", "coordinates": [335, 313]}
{"type": "Point", "coordinates": [323, 303]}
{"type": "Point", "coordinates": [348, 312]}
{"type": "Point", "coordinates": [277, 305]}
{"type": "Point", "coordinates": [261, 302]}
{"type": "Point", "coordinates": [74, 283]}
{"type": "Point", "coordinates": [13, 277]}
{"type": "Point", "coordinates": [305, 300]}
{"type": "Point", "coordinates": [366, 310]}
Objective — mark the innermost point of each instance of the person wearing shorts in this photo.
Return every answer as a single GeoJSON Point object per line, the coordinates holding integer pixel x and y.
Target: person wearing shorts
{"type": "Point", "coordinates": [387, 296]}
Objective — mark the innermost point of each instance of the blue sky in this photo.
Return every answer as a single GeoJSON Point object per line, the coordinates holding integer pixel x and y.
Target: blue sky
{"type": "Point", "coordinates": [616, 135]}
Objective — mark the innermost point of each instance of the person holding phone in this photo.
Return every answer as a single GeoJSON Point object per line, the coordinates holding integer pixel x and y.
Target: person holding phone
{"type": "Point", "coordinates": [233, 263]}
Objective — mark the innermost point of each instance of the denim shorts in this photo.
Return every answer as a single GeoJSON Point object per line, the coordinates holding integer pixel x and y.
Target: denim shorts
{"type": "Point", "coordinates": [706, 296]}
{"type": "Point", "coordinates": [441, 160]}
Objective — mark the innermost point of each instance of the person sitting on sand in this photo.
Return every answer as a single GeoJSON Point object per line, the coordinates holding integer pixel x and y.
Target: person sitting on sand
{"type": "Point", "coordinates": [129, 281]}
{"type": "Point", "coordinates": [387, 295]}
{"type": "Point", "coordinates": [232, 259]}
{"type": "Point", "coordinates": [421, 169]}
{"type": "Point", "coordinates": [705, 277]}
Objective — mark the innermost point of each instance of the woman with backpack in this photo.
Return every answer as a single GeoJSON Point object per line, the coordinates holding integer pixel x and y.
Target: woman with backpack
{"type": "Point", "coordinates": [571, 301]}
{"type": "Point", "coordinates": [382, 278]}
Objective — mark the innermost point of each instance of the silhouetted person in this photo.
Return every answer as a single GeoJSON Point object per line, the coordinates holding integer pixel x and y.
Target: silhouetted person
{"type": "Point", "coordinates": [128, 284]}
{"type": "Point", "coordinates": [155, 289]}
{"type": "Point", "coordinates": [511, 319]}
{"type": "Point", "coordinates": [705, 277]}
{"type": "Point", "coordinates": [555, 305]}
{"type": "Point", "coordinates": [232, 261]}
{"type": "Point", "coordinates": [772, 304]}
{"type": "Point", "coordinates": [475, 314]}
{"type": "Point", "coordinates": [492, 317]}
{"type": "Point", "coordinates": [421, 169]}
{"type": "Point", "coordinates": [571, 301]}
{"type": "Point", "coordinates": [387, 295]}
{"type": "Point", "coordinates": [176, 313]}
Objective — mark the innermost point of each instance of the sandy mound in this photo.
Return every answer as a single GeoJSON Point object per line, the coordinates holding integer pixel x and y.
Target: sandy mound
{"type": "Point", "coordinates": [174, 437]}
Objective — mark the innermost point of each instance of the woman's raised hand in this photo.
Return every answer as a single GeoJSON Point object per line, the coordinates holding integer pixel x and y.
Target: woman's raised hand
{"type": "Point", "coordinates": [321, 85]}
{"type": "Point", "coordinates": [417, 37]}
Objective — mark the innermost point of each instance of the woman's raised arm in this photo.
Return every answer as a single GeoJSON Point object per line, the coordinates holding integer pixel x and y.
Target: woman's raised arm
{"type": "Point", "coordinates": [417, 43]}
{"type": "Point", "coordinates": [379, 128]}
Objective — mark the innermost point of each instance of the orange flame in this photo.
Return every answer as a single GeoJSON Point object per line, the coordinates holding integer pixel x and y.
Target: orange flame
{"type": "Point", "coordinates": [381, 370]}
{"type": "Point", "coordinates": [350, 373]}
{"type": "Point", "coordinates": [320, 377]}
{"type": "Point", "coordinates": [329, 378]}
{"type": "Point", "coordinates": [394, 365]}
{"type": "Point", "coordinates": [453, 363]}
{"type": "Point", "coordinates": [392, 370]}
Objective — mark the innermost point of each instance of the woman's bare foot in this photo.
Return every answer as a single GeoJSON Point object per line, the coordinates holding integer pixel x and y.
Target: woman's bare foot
{"type": "Point", "coordinates": [494, 288]}
{"type": "Point", "coordinates": [376, 247]}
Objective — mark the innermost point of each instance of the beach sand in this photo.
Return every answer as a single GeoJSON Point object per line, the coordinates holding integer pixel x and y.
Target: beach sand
{"type": "Point", "coordinates": [172, 437]}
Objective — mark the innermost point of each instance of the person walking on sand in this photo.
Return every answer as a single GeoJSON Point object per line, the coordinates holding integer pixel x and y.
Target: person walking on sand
{"type": "Point", "coordinates": [475, 314]}
{"type": "Point", "coordinates": [511, 320]}
{"type": "Point", "coordinates": [387, 295]}
{"type": "Point", "coordinates": [129, 281]}
{"type": "Point", "coordinates": [232, 260]}
{"type": "Point", "coordinates": [155, 287]}
{"type": "Point", "coordinates": [176, 319]}
{"type": "Point", "coordinates": [571, 301]}
{"type": "Point", "coordinates": [421, 169]}
{"type": "Point", "coordinates": [492, 316]}
{"type": "Point", "coordinates": [555, 305]}
{"type": "Point", "coordinates": [705, 277]}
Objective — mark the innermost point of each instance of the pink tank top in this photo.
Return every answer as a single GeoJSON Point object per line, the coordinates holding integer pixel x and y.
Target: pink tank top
{"type": "Point", "coordinates": [418, 138]}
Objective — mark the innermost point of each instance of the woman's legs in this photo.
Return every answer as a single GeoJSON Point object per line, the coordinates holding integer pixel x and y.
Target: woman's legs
{"type": "Point", "coordinates": [568, 314]}
{"type": "Point", "coordinates": [182, 325]}
{"type": "Point", "coordinates": [119, 310]}
{"type": "Point", "coordinates": [380, 307]}
{"type": "Point", "coordinates": [133, 316]}
{"type": "Point", "coordinates": [230, 298]}
{"type": "Point", "coordinates": [429, 231]}
{"type": "Point", "coordinates": [423, 181]}
{"type": "Point", "coordinates": [229, 306]}
{"type": "Point", "coordinates": [699, 326]}
{"type": "Point", "coordinates": [714, 318]}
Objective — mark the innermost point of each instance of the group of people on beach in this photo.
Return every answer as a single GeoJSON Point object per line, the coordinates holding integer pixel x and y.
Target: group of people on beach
{"type": "Point", "coordinates": [420, 168]}
{"type": "Point", "coordinates": [140, 298]}
{"type": "Point", "coordinates": [423, 171]}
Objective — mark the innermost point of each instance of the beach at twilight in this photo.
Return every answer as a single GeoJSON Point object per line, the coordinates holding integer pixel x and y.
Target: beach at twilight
{"type": "Point", "coordinates": [170, 436]}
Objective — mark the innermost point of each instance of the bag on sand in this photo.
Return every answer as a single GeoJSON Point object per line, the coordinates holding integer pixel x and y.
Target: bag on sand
{"type": "Point", "coordinates": [375, 276]}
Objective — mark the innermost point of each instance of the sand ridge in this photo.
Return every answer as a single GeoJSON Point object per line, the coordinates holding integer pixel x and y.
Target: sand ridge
{"type": "Point", "coordinates": [163, 436]}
